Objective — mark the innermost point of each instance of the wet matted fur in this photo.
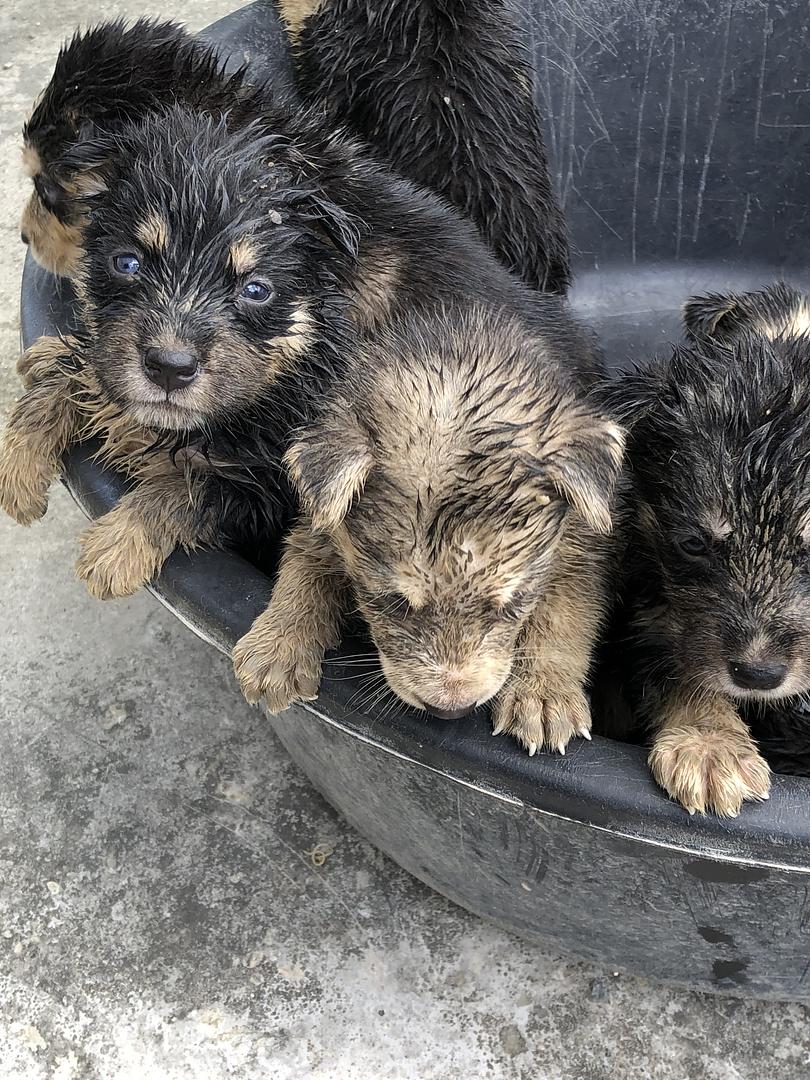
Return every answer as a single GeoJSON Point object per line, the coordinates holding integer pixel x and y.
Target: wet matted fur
{"type": "Point", "coordinates": [458, 492]}
{"type": "Point", "coordinates": [715, 620]}
{"type": "Point", "coordinates": [443, 91]}
{"type": "Point", "coordinates": [201, 208]}
{"type": "Point", "coordinates": [104, 79]}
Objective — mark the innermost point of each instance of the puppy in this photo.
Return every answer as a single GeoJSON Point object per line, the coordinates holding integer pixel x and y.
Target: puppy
{"type": "Point", "coordinates": [444, 92]}
{"type": "Point", "coordinates": [226, 266]}
{"type": "Point", "coordinates": [210, 323]}
{"type": "Point", "coordinates": [105, 79]}
{"type": "Point", "coordinates": [458, 492]}
{"type": "Point", "coordinates": [715, 625]}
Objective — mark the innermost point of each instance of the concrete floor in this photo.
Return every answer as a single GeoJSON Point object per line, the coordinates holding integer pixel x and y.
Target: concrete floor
{"type": "Point", "coordinates": [160, 918]}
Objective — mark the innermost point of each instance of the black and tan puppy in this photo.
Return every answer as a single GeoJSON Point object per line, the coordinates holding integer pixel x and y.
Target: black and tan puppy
{"type": "Point", "coordinates": [104, 79]}
{"type": "Point", "coordinates": [211, 319]}
{"type": "Point", "coordinates": [716, 613]}
{"type": "Point", "coordinates": [458, 492]}
{"type": "Point", "coordinates": [442, 89]}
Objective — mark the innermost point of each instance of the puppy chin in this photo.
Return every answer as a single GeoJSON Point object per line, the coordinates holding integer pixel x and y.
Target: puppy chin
{"type": "Point", "coordinates": [166, 416]}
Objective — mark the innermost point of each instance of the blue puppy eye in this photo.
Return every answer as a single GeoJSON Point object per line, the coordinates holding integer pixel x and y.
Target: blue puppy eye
{"type": "Point", "coordinates": [257, 292]}
{"type": "Point", "coordinates": [126, 264]}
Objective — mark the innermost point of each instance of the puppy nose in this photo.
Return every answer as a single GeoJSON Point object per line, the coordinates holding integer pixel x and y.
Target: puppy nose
{"type": "Point", "coordinates": [24, 238]}
{"type": "Point", "coordinates": [761, 676]}
{"type": "Point", "coordinates": [169, 368]}
{"type": "Point", "coordinates": [448, 714]}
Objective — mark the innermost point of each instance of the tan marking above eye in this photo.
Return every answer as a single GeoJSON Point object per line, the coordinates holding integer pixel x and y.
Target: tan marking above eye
{"type": "Point", "coordinates": [153, 232]}
{"type": "Point", "coordinates": [243, 255]}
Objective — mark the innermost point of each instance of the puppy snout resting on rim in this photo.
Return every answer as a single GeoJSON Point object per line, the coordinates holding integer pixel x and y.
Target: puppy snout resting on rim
{"type": "Point", "coordinates": [458, 492]}
{"type": "Point", "coordinates": [716, 624]}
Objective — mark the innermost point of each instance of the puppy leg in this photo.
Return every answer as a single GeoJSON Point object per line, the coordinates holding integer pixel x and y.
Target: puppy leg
{"type": "Point", "coordinates": [42, 425]}
{"type": "Point", "coordinates": [281, 656]}
{"type": "Point", "coordinates": [703, 755]}
{"type": "Point", "coordinates": [125, 548]}
{"type": "Point", "coordinates": [544, 702]}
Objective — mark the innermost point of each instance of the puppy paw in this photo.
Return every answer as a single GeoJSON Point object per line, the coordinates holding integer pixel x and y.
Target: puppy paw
{"type": "Point", "coordinates": [24, 485]}
{"type": "Point", "coordinates": [41, 360]}
{"type": "Point", "coordinates": [540, 713]}
{"type": "Point", "coordinates": [117, 556]}
{"type": "Point", "coordinates": [273, 662]}
{"type": "Point", "coordinates": [714, 770]}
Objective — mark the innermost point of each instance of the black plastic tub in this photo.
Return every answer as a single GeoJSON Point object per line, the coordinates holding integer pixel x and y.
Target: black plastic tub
{"type": "Point", "coordinates": [679, 134]}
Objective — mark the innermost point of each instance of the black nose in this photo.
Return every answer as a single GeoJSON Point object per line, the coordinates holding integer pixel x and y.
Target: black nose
{"type": "Point", "coordinates": [169, 368]}
{"type": "Point", "coordinates": [763, 676]}
{"type": "Point", "coordinates": [24, 238]}
{"type": "Point", "coordinates": [448, 714]}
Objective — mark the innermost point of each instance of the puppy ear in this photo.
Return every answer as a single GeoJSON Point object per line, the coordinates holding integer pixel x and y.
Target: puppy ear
{"type": "Point", "coordinates": [328, 465]}
{"type": "Point", "coordinates": [585, 469]}
{"type": "Point", "coordinates": [710, 316]}
{"type": "Point", "coordinates": [340, 228]}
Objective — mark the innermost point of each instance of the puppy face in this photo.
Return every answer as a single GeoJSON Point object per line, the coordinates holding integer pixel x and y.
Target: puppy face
{"type": "Point", "coordinates": [448, 482]}
{"type": "Point", "coordinates": [205, 270]}
{"type": "Point", "coordinates": [720, 463]}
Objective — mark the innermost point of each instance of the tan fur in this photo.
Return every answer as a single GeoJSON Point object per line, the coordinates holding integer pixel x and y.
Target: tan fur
{"type": "Point", "coordinates": [32, 162]}
{"type": "Point", "coordinates": [41, 427]}
{"type": "Point", "coordinates": [544, 704]}
{"type": "Point", "coordinates": [300, 335]}
{"type": "Point", "coordinates": [126, 547]}
{"type": "Point", "coordinates": [280, 657]}
{"type": "Point", "coordinates": [703, 755]}
{"type": "Point", "coordinates": [153, 232]}
{"type": "Point", "coordinates": [375, 291]}
{"type": "Point", "coordinates": [54, 244]}
{"type": "Point", "coordinates": [294, 13]}
{"type": "Point", "coordinates": [243, 255]}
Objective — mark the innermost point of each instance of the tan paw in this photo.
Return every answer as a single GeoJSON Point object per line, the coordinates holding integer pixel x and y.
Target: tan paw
{"type": "Point", "coordinates": [41, 360]}
{"type": "Point", "coordinates": [709, 770]}
{"type": "Point", "coordinates": [117, 557]}
{"type": "Point", "coordinates": [24, 485]}
{"type": "Point", "coordinates": [271, 661]}
{"type": "Point", "coordinates": [538, 713]}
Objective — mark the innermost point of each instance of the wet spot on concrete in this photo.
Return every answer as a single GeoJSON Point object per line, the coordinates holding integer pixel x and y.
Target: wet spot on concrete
{"type": "Point", "coordinates": [726, 873]}
{"type": "Point", "coordinates": [512, 1042]}
{"type": "Point", "coordinates": [730, 972]}
{"type": "Point", "coordinates": [715, 936]}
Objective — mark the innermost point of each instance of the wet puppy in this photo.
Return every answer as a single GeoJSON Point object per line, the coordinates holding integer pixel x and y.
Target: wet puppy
{"type": "Point", "coordinates": [104, 79]}
{"type": "Point", "coordinates": [716, 606]}
{"type": "Point", "coordinates": [210, 322]}
{"type": "Point", "coordinates": [458, 492]}
{"type": "Point", "coordinates": [443, 90]}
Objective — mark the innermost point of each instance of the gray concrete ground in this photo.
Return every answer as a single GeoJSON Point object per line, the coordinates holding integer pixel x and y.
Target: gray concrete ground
{"type": "Point", "coordinates": [160, 918]}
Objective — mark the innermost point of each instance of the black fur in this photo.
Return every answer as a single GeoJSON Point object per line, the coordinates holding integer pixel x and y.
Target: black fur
{"type": "Point", "coordinates": [719, 456]}
{"type": "Point", "coordinates": [323, 219]}
{"type": "Point", "coordinates": [442, 89]}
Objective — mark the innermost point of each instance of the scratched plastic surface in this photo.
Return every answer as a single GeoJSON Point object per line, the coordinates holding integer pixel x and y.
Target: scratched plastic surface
{"type": "Point", "coordinates": [679, 135]}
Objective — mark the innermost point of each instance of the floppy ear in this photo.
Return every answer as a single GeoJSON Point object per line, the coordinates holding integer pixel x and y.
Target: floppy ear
{"type": "Point", "coordinates": [711, 315]}
{"type": "Point", "coordinates": [341, 229]}
{"type": "Point", "coordinates": [329, 465]}
{"type": "Point", "coordinates": [585, 469]}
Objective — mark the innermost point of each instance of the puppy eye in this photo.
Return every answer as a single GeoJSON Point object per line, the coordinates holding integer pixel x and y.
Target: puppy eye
{"type": "Point", "coordinates": [693, 547]}
{"type": "Point", "coordinates": [256, 292]}
{"type": "Point", "coordinates": [47, 190]}
{"type": "Point", "coordinates": [126, 264]}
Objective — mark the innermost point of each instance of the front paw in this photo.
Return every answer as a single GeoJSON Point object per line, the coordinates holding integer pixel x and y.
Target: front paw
{"type": "Point", "coordinates": [274, 662]}
{"type": "Point", "coordinates": [715, 769]}
{"type": "Point", "coordinates": [42, 359]}
{"type": "Point", "coordinates": [117, 557]}
{"type": "Point", "coordinates": [24, 485]}
{"type": "Point", "coordinates": [539, 712]}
